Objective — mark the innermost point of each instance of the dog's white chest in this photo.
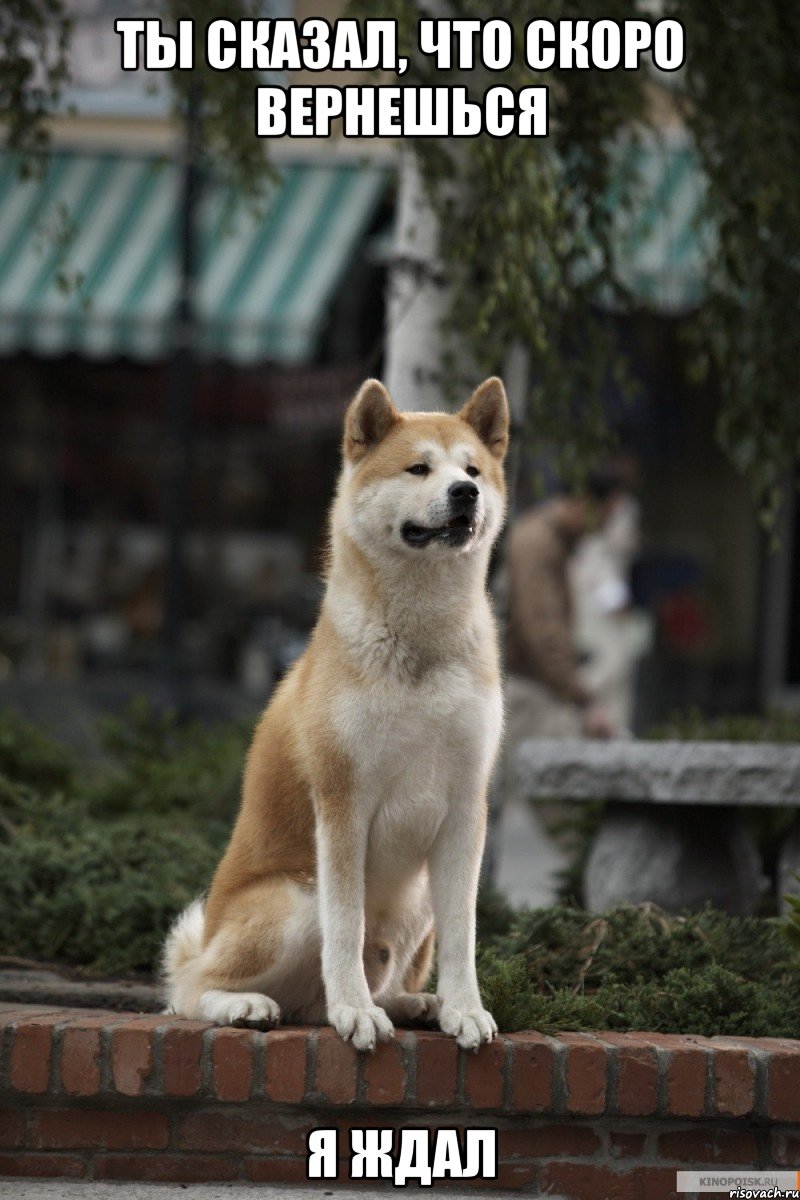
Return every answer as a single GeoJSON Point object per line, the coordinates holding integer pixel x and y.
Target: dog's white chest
{"type": "Point", "coordinates": [415, 750]}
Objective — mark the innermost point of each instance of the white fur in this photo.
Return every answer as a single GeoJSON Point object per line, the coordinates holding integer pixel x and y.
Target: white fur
{"type": "Point", "coordinates": [239, 1008]}
{"type": "Point", "coordinates": [421, 727]}
{"type": "Point", "coordinates": [423, 732]}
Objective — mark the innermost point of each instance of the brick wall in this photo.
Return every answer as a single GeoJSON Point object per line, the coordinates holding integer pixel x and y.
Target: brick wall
{"type": "Point", "coordinates": [102, 1095]}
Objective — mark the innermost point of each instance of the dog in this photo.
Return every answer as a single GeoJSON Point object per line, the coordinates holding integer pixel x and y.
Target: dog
{"type": "Point", "coordinates": [363, 812]}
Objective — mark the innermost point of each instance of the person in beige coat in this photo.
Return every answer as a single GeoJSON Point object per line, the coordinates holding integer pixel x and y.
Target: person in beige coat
{"type": "Point", "coordinates": [545, 688]}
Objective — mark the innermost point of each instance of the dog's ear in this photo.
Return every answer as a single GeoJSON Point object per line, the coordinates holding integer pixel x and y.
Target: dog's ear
{"type": "Point", "coordinates": [487, 412]}
{"type": "Point", "coordinates": [369, 418]}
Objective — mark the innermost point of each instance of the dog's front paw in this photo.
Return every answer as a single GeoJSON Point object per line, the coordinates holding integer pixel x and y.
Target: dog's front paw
{"type": "Point", "coordinates": [361, 1026]}
{"type": "Point", "coordinates": [469, 1026]}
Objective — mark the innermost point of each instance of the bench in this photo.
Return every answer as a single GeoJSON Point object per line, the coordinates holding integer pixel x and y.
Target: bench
{"type": "Point", "coordinates": [672, 831]}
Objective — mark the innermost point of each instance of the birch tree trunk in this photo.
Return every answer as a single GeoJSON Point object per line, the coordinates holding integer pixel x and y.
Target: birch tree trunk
{"type": "Point", "coordinates": [418, 298]}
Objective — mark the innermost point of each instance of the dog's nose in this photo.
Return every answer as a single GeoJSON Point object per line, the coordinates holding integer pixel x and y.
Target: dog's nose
{"type": "Point", "coordinates": [462, 494]}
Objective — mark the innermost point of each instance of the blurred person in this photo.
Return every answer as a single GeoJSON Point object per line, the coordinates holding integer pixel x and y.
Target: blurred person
{"type": "Point", "coordinates": [547, 695]}
{"type": "Point", "coordinates": [611, 634]}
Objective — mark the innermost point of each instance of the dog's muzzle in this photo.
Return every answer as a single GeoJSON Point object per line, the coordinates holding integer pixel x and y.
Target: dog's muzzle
{"type": "Point", "coordinates": [462, 498]}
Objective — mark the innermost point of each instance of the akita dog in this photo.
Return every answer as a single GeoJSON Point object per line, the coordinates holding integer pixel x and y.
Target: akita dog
{"type": "Point", "coordinates": [364, 799]}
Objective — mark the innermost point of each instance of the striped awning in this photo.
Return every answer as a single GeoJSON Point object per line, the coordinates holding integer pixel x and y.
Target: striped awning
{"type": "Point", "coordinates": [89, 257]}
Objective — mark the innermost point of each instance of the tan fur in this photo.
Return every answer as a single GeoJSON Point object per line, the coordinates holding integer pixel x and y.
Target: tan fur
{"type": "Point", "coordinates": [260, 930]}
{"type": "Point", "coordinates": [417, 974]}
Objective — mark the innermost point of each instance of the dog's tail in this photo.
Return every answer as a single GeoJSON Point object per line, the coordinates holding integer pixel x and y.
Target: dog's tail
{"type": "Point", "coordinates": [180, 959]}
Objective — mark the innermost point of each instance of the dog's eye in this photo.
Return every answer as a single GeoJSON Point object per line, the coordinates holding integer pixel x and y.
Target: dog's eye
{"type": "Point", "coordinates": [419, 469]}
{"type": "Point", "coordinates": [472, 471]}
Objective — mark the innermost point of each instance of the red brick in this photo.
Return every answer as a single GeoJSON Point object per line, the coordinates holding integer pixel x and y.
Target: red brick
{"type": "Point", "coordinates": [532, 1059]}
{"type": "Point", "coordinates": [74, 1129]}
{"type": "Point", "coordinates": [626, 1145]}
{"type": "Point", "coordinates": [582, 1181]}
{"type": "Point", "coordinates": [658, 1183]}
{"type": "Point", "coordinates": [12, 1128]}
{"type": "Point", "coordinates": [285, 1079]}
{"type": "Point", "coordinates": [32, 1052]}
{"type": "Point", "coordinates": [437, 1062]}
{"type": "Point", "coordinates": [80, 1061]}
{"type": "Point", "coordinates": [232, 1063]}
{"type": "Point", "coordinates": [181, 1051]}
{"type": "Point", "coordinates": [510, 1177]}
{"type": "Point", "coordinates": [585, 1074]}
{"type": "Point", "coordinates": [484, 1082]}
{"type": "Point", "coordinates": [385, 1073]}
{"type": "Point", "coordinates": [785, 1148]}
{"type": "Point", "coordinates": [166, 1168]}
{"type": "Point", "coordinates": [549, 1141]}
{"type": "Point", "coordinates": [346, 1125]}
{"type": "Point", "coordinates": [784, 1085]}
{"type": "Point", "coordinates": [637, 1074]}
{"type": "Point", "coordinates": [276, 1170]}
{"type": "Point", "coordinates": [687, 1072]}
{"type": "Point", "coordinates": [750, 1043]}
{"type": "Point", "coordinates": [131, 1058]}
{"type": "Point", "coordinates": [42, 1166]}
{"type": "Point", "coordinates": [709, 1147]}
{"type": "Point", "coordinates": [217, 1132]}
{"type": "Point", "coordinates": [734, 1083]}
{"type": "Point", "coordinates": [337, 1068]}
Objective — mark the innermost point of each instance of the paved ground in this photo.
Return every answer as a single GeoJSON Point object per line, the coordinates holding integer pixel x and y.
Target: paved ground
{"type": "Point", "coordinates": [24, 1189]}
{"type": "Point", "coordinates": [527, 858]}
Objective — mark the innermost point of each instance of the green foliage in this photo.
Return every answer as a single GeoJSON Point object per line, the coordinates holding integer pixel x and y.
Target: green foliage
{"type": "Point", "coordinates": [95, 862]}
{"type": "Point", "coordinates": [791, 925]}
{"type": "Point", "coordinates": [522, 218]}
{"type": "Point", "coordinates": [519, 215]}
{"type": "Point", "coordinates": [225, 99]}
{"type": "Point", "coordinates": [34, 36]}
{"type": "Point", "coordinates": [163, 766]}
{"type": "Point", "coordinates": [567, 947]}
{"type": "Point", "coordinates": [30, 755]}
{"type": "Point", "coordinates": [494, 915]}
{"type": "Point", "coordinates": [743, 109]}
{"type": "Point", "coordinates": [99, 894]}
{"type": "Point", "coordinates": [692, 725]}
{"type": "Point", "coordinates": [637, 968]}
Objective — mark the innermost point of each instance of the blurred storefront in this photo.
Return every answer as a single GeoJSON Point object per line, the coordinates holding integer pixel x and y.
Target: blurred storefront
{"type": "Point", "coordinates": [289, 308]}
{"type": "Point", "coordinates": [286, 315]}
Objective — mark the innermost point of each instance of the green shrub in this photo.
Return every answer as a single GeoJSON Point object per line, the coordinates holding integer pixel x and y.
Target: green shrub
{"type": "Point", "coordinates": [100, 894]}
{"type": "Point", "coordinates": [95, 863]}
{"type": "Point", "coordinates": [160, 765]}
{"type": "Point", "coordinates": [96, 860]}
{"type": "Point", "coordinates": [30, 756]}
{"type": "Point", "coordinates": [637, 968]}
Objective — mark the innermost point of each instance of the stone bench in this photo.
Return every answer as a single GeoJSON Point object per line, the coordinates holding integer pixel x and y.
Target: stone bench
{"type": "Point", "coordinates": [672, 831]}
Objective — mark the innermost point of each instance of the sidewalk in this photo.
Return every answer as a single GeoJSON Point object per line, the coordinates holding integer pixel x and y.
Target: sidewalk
{"type": "Point", "coordinates": [527, 857]}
